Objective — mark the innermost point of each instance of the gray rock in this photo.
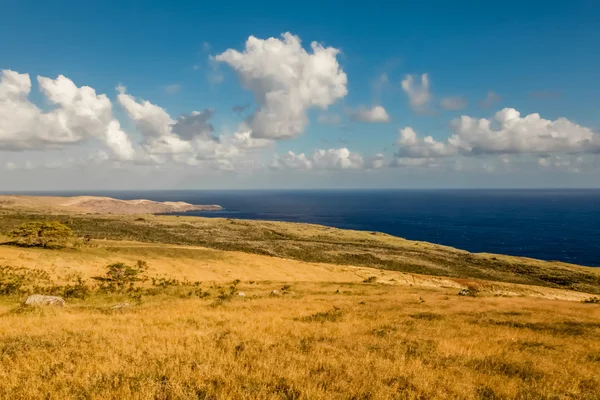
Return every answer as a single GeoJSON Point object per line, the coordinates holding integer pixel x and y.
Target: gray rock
{"type": "Point", "coordinates": [275, 292]}
{"type": "Point", "coordinates": [42, 300]}
{"type": "Point", "coordinates": [464, 292]}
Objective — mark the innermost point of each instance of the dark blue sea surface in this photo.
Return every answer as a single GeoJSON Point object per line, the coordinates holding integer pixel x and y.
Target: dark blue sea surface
{"type": "Point", "coordinates": [547, 224]}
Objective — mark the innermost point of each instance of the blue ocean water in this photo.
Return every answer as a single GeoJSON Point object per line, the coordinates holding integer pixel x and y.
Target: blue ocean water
{"type": "Point", "coordinates": [547, 224]}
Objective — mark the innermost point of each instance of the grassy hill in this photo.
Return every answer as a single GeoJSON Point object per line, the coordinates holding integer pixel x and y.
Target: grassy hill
{"type": "Point", "coordinates": [355, 315]}
{"type": "Point", "coordinates": [319, 244]}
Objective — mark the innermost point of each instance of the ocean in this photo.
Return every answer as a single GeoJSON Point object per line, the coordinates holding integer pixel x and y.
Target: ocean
{"type": "Point", "coordinates": [547, 224]}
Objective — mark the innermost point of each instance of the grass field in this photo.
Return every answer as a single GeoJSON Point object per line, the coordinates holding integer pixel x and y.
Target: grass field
{"type": "Point", "coordinates": [319, 244]}
{"type": "Point", "coordinates": [359, 315]}
{"type": "Point", "coordinates": [367, 341]}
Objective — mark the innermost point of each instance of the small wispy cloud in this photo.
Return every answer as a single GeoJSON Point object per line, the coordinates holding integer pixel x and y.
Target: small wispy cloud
{"type": "Point", "coordinates": [172, 88]}
{"type": "Point", "coordinates": [490, 99]}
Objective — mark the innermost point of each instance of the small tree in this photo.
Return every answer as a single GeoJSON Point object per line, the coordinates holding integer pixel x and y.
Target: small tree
{"type": "Point", "coordinates": [120, 276]}
{"type": "Point", "coordinates": [42, 234]}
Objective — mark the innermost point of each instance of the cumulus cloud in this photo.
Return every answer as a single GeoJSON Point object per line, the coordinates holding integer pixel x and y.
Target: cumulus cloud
{"type": "Point", "coordinates": [573, 164]}
{"type": "Point", "coordinates": [412, 146]}
{"type": "Point", "coordinates": [244, 140]}
{"type": "Point", "coordinates": [511, 133]}
{"type": "Point", "coordinates": [376, 114]}
{"type": "Point", "coordinates": [418, 94]}
{"type": "Point", "coordinates": [155, 124]}
{"type": "Point", "coordinates": [508, 133]}
{"type": "Point", "coordinates": [453, 103]}
{"type": "Point", "coordinates": [79, 114]}
{"type": "Point", "coordinates": [490, 99]}
{"type": "Point", "coordinates": [286, 81]}
{"type": "Point", "coordinates": [195, 125]}
{"type": "Point", "coordinates": [376, 162]}
{"type": "Point", "coordinates": [189, 140]}
{"type": "Point", "coordinates": [320, 159]}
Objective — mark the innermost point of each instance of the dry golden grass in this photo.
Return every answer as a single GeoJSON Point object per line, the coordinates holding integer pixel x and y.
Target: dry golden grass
{"type": "Point", "coordinates": [369, 341]}
{"type": "Point", "coordinates": [406, 335]}
{"type": "Point", "coordinates": [195, 263]}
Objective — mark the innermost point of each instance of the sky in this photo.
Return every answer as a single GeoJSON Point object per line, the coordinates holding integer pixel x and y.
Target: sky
{"type": "Point", "coordinates": [246, 95]}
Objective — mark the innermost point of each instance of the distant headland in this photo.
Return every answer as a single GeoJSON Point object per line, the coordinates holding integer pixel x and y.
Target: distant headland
{"type": "Point", "coordinates": [101, 205]}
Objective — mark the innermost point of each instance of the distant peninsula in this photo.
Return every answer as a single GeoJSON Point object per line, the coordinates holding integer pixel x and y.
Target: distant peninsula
{"type": "Point", "coordinates": [100, 205]}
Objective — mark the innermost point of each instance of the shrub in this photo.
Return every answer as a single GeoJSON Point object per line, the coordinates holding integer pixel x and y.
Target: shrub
{"type": "Point", "coordinates": [370, 279]}
{"type": "Point", "coordinates": [120, 277]}
{"type": "Point", "coordinates": [78, 290]}
{"type": "Point", "coordinates": [592, 300]}
{"type": "Point", "coordinates": [19, 280]}
{"type": "Point", "coordinates": [42, 234]}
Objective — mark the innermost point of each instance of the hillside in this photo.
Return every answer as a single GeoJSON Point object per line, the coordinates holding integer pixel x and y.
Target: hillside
{"type": "Point", "coordinates": [230, 309]}
{"type": "Point", "coordinates": [97, 205]}
{"type": "Point", "coordinates": [320, 244]}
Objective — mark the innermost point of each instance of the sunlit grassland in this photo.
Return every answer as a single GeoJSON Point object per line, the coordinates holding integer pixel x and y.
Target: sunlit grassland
{"type": "Point", "coordinates": [359, 315]}
{"type": "Point", "coordinates": [319, 244]}
{"type": "Point", "coordinates": [321, 340]}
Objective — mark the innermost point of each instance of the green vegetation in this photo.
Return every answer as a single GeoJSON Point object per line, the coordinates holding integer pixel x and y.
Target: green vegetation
{"type": "Point", "coordinates": [312, 243]}
{"type": "Point", "coordinates": [121, 277]}
{"type": "Point", "coordinates": [41, 234]}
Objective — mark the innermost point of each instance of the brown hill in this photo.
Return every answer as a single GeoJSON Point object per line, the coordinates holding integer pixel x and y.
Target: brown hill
{"type": "Point", "coordinates": [99, 205]}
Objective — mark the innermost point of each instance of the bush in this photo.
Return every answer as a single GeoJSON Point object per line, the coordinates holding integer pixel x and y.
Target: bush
{"type": "Point", "coordinates": [120, 277]}
{"type": "Point", "coordinates": [78, 290]}
{"type": "Point", "coordinates": [592, 300]}
{"type": "Point", "coordinates": [42, 234]}
{"type": "Point", "coordinates": [19, 280]}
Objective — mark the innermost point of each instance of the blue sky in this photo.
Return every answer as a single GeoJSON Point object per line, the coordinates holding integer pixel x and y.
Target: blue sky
{"type": "Point", "coordinates": [538, 57]}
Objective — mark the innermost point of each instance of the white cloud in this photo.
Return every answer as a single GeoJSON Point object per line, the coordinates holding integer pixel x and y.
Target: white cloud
{"type": "Point", "coordinates": [453, 103]}
{"type": "Point", "coordinates": [508, 133]}
{"type": "Point", "coordinates": [414, 147]}
{"type": "Point", "coordinates": [408, 162]}
{"type": "Point", "coordinates": [337, 158]}
{"type": "Point", "coordinates": [329, 119]}
{"type": "Point", "coordinates": [376, 162]}
{"type": "Point", "coordinates": [244, 140]}
{"type": "Point", "coordinates": [573, 164]}
{"type": "Point", "coordinates": [286, 81]}
{"type": "Point", "coordinates": [79, 114]}
{"type": "Point", "coordinates": [155, 124]}
{"type": "Point", "coordinates": [189, 140]}
{"type": "Point", "coordinates": [376, 114]}
{"type": "Point", "coordinates": [418, 94]}
{"type": "Point", "coordinates": [321, 159]}
{"type": "Point", "coordinates": [490, 99]}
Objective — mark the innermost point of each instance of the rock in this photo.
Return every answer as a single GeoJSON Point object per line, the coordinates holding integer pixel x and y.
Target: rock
{"type": "Point", "coordinates": [464, 292]}
{"type": "Point", "coordinates": [275, 292]}
{"type": "Point", "coordinates": [120, 306]}
{"type": "Point", "coordinates": [42, 300]}
{"type": "Point", "coordinates": [242, 294]}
